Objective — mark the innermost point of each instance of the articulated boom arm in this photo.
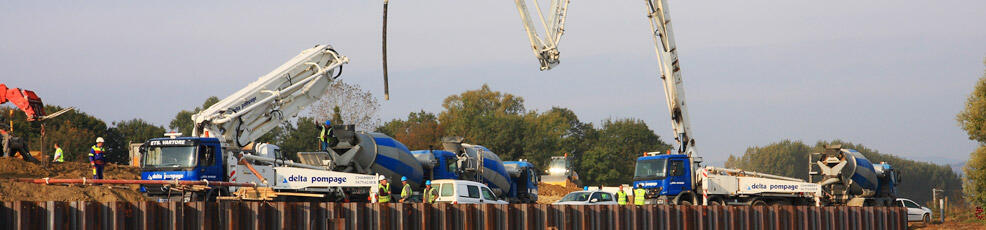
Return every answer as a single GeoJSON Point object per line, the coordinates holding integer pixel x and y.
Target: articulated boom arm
{"type": "Point", "coordinates": [26, 100]}
{"type": "Point", "coordinates": [674, 90]}
{"type": "Point", "coordinates": [546, 47]}
{"type": "Point", "coordinates": [264, 104]}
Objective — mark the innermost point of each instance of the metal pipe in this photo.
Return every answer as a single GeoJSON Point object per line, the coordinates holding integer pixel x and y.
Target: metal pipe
{"type": "Point", "coordinates": [281, 162]}
{"type": "Point", "coordinates": [252, 170]}
{"type": "Point", "coordinates": [755, 174]}
{"type": "Point", "coordinates": [117, 181]}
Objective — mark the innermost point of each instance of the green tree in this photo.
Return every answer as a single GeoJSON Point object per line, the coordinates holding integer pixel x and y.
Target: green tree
{"type": "Point", "coordinates": [490, 118]}
{"type": "Point", "coordinates": [787, 158]}
{"type": "Point", "coordinates": [183, 120]}
{"type": "Point", "coordinates": [418, 132]}
{"type": "Point", "coordinates": [617, 147]}
{"type": "Point", "coordinates": [973, 120]}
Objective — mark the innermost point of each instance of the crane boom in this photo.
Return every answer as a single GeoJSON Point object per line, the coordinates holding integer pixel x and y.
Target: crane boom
{"type": "Point", "coordinates": [546, 47]}
{"type": "Point", "coordinates": [674, 90]}
{"type": "Point", "coordinates": [275, 97]}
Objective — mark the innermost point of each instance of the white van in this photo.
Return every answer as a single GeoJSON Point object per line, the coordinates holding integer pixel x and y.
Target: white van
{"type": "Point", "coordinates": [464, 192]}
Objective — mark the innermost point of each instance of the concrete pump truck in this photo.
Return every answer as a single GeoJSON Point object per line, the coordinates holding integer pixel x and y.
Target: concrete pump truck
{"type": "Point", "coordinates": [678, 178]}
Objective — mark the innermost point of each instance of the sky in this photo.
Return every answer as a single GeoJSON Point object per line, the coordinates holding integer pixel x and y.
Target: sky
{"type": "Point", "coordinates": [887, 74]}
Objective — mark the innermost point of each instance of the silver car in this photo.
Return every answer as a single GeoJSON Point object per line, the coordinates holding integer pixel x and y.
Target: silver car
{"type": "Point", "coordinates": [915, 212]}
{"type": "Point", "coordinates": [587, 198]}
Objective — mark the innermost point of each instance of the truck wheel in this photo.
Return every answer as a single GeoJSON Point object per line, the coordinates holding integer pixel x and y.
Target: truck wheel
{"type": "Point", "coordinates": [758, 203]}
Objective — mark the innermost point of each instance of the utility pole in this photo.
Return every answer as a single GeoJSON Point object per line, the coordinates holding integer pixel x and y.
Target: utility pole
{"type": "Point", "coordinates": [938, 204]}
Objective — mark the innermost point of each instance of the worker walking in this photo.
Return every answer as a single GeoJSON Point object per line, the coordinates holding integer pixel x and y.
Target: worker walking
{"type": "Point", "coordinates": [59, 154]}
{"type": "Point", "coordinates": [326, 135]}
{"type": "Point", "coordinates": [405, 191]}
{"type": "Point", "coordinates": [384, 191]}
{"type": "Point", "coordinates": [638, 195]}
{"type": "Point", "coordinates": [621, 196]}
{"type": "Point", "coordinates": [430, 193]}
{"type": "Point", "coordinates": [97, 159]}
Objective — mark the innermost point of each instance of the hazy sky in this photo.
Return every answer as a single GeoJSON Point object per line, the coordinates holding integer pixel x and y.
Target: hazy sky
{"type": "Point", "coordinates": [887, 74]}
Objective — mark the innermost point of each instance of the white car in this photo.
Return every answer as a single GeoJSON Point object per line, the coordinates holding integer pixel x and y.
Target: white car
{"type": "Point", "coordinates": [915, 212]}
{"type": "Point", "coordinates": [464, 192]}
{"type": "Point", "coordinates": [595, 197]}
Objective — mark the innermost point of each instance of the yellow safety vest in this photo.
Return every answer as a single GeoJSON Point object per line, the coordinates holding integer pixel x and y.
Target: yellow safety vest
{"type": "Point", "coordinates": [621, 197]}
{"type": "Point", "coordinates": [406, 191]}
{"type": "Point", "coordinates": [638, 196]}
{"type": "Point", "coordinates": [59, 155]}
{"type": "Point", "coordinates": [384, 198]}
{"type": "Point", "coordinates": [430, 195]}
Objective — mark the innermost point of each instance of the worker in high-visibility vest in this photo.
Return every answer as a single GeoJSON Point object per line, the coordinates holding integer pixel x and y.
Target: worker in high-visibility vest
{"type": "Point", "coordinates": [97, 159]}
{"type": "Point", "coordinates": [638, 195]}
{"type": "Point", "coordinates": [405, 190]}
{"type": "Point", "coordinates": [59, 154]}
{"type": "Point", "coordinates": [430, 193]}
{"type": "Point", "coordinates": [621, 196]}
{"type": "Point", "coordinates": [326, 135]}
{"type": "Point", "coordinates": [384, 192]}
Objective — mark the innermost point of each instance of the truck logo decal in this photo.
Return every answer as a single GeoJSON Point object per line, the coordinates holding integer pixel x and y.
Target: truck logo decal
{"type": "Point", "coordinates": [317, 179]}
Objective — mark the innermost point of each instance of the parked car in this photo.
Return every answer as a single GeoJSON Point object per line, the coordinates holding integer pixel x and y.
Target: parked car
{"type": "Point", "coordinates": [595, 197]}
{"type": "Point", "coordinates": [465, 192]}
{"type": "Point", "coordinates": [915, 212]}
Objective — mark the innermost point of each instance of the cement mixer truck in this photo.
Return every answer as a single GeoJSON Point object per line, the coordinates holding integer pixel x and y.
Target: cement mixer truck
{"type": "Point", "coordinates": [847, 178]}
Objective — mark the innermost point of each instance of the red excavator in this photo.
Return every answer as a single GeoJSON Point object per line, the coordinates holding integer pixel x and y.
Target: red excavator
{"type": "Point", "coordinates": [31, 104]}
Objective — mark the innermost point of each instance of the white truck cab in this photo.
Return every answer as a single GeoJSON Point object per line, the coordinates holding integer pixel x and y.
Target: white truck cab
{"type": "Point", "coordinates": [465, 192]}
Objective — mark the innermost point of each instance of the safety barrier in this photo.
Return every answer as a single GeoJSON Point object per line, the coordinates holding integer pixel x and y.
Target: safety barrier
{"type": "Point", "coordinates": [305, 215]}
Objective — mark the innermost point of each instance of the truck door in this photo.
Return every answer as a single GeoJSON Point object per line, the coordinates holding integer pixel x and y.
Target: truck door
{"type": "Point", "coordinates": [678, 176]}
{"type": "Point", "coordinates": [209, 166]}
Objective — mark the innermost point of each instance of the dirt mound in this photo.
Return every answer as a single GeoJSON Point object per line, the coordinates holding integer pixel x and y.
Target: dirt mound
{"type": "Point", "coordinates": [17, 191]}
{"type": "Point", "coordinates": [549, 193]}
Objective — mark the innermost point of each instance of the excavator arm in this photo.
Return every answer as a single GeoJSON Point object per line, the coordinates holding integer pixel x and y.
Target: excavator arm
{"type": "Point", "coordinates": [275, 97]}
{"type": "Point", "coordinates": [26, 100]}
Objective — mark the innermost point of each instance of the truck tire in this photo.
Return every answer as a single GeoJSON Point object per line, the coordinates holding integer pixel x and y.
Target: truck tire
{"type": "Point", "coordinates": [716, 201]}
{"type": "Point", "coordinates": [758, 202]}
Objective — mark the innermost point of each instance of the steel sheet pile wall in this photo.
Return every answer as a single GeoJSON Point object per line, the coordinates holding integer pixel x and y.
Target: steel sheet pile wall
{"type": "Point", "coordinates": [302, 215]}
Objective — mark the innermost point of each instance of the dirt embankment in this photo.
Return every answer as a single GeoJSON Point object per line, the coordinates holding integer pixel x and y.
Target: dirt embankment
{"type": "Point", "coordinates": [10, 190]}
{"type": "Point", "coordinates": [549, 193]}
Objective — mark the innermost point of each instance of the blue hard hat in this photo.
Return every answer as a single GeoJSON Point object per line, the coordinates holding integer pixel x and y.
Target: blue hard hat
{"type": "Point", "coordinates": [403, 178]}
{"type": "Point", "coordinates": [428, 182]}
{"type": "Point", "coordinates": [328, 122]}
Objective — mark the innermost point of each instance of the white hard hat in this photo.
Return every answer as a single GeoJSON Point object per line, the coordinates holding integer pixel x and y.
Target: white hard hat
{"type": "Point", "coordinates": [99, 140]}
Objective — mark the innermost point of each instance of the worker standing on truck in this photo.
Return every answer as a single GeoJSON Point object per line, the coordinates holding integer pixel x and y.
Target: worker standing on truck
{"type": "Point", "coordinates": [638, 195]}
{"type": "Point", "coordinates": [384, 191]}
{"type": "Point", "coordinates": [621, 196]}
{"type": "Point", "coordinates": [97, 159]}
{"type": "Point", "coordinates": [59, 154]}
{"type": "Point", "coordinates": [430, 193]}
{"type": "Point", "coordinates": [326, 135]}
{"type": "Point", "coordinates": [406, 190]}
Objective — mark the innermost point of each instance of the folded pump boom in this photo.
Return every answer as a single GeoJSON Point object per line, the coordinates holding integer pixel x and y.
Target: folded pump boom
{"type": "Point", "coordinates": [545, 45]}
{"type": "Point", "coordinates": [275, 97]}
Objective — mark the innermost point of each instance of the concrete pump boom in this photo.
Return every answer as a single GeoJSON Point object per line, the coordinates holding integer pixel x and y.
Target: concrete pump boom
{"type": "Point", "coordinates": [277, 96]}
{"type": "Point", "coordinates": [546, 47]}
{"type": "Point", "coordinates": [674, 90]}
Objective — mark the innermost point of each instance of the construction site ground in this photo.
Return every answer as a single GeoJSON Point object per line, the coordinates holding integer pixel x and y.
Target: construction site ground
{"type": "Point", "coordinates": [12, 168]}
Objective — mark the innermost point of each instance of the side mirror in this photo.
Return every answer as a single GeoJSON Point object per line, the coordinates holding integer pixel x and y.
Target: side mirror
{"type": "Point", "coordinates": [594, 200]}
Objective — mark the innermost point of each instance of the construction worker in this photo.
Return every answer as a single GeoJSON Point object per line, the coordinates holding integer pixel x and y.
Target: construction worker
{"type": "Point", "coordinates": [97, 159]}
{"type": "Point", "coordinates": [59, 154]}
{"type": "Point", "coordinates": [326, 135]}
{"type": "Point", "coordinates": [384, 192]}
{"type": "Point", "coordinates": [638, 195]}
{"type": "Point", "coordinates": [621, 196]}
{"type": "Point", "coordinates": [430, 194]}
{"type": "Point", "coordinates": [406, 190]}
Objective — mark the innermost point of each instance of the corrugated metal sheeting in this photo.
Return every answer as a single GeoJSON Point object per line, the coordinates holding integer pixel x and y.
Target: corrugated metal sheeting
{"type": "Point", "coordinates": [304, 215]}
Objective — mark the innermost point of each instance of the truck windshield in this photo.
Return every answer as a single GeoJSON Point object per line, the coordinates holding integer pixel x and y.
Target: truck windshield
{"type": "Point", "coordinates": [169, 157]}
{"type": "Point", "coordinates": [651, 169]}
{"type": "Point", "coordinates": [558, 163]}
{"type": "Point", "coordinates": [576, 196]}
